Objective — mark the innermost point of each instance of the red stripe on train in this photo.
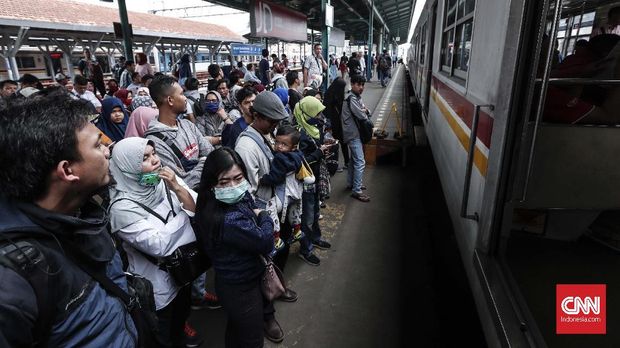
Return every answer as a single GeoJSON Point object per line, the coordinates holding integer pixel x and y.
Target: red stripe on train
{"type": "Point", "coordinates": [465, 109]}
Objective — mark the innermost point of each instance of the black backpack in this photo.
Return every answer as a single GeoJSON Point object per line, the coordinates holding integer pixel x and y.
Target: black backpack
{"type": "Point", "coordinates": [199, 105]}
{"type": "Point", "coordinates": [20, 253]}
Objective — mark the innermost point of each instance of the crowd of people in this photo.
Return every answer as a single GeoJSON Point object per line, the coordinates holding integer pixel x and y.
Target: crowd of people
{"type": "Point", "coordinates": [100, 179]}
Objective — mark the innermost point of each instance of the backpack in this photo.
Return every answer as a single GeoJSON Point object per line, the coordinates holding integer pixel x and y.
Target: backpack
{"type": "Point", "coordinates": [270, 87]}
{"type": "Point", "coordinates": [365, 127]}
{"type": "Point", "coordinates": [21, 254]}
{"type": "Point", "coordinates": [383, 63]}
{"type": "Point", "coordinates": [198, 106]}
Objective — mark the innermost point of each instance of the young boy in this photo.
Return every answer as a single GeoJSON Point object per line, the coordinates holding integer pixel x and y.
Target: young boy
{"type": "Point", "coordinates": [287, 176]}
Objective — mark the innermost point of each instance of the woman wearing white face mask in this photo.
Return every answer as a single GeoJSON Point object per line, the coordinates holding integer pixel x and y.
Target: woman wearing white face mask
{"type": "Point", "coordinates": [150, 211]}
{"type": "Point", "coordinates": [234, 233]}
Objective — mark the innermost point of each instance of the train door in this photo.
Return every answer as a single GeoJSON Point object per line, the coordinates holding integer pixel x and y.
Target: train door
{"type": "Point", "coordinates": [557, 226]}
{"type": "Point", "coordinates": [428, 71]}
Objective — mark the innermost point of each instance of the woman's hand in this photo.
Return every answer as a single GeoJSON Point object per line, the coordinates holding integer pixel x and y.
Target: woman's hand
{"type": "Point", "coordinates": [167, 175]}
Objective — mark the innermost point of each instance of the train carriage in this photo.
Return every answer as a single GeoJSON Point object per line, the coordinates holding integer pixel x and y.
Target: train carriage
{"type": "Point", "coordinates": [522, 127]}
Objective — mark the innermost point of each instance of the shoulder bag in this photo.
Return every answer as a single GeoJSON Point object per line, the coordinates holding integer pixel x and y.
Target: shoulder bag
{"type": "Point", "coordinates": [365, 127]}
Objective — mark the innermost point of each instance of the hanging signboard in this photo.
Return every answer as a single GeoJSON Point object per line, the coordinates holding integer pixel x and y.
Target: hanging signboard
{"type": "Point", "coordinates": [245, 50]}
{"type": "Point", "coordinates": [336, 37]}
{"type": "Point", "coordinates": [329, 15]}
{"type": "Point", "coordinates": [278, 22]}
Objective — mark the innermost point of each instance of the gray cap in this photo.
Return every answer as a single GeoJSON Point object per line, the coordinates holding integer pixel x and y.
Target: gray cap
{"type": "Point", "coordinates": [269, 105]}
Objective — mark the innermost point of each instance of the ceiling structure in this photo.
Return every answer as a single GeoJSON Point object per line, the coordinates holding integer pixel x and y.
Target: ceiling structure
{"type": "Point", "coordinates": [349, 15]}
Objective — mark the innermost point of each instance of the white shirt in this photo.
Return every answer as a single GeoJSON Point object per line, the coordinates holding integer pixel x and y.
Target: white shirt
{"type": "Point", "coordinates": [362, 63]}
{"type": "Point", "coordinates": [90, 96]}
{"type": "Point", "coordinates": [157, 239]}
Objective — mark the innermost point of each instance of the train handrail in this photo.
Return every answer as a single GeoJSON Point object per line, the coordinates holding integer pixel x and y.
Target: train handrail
{"type": "Point", "coordinates": [470, 160]}
{"type": "Point", "coordinates": [580, 81]}
{"type": "Point", "coordinates": [543, 89]}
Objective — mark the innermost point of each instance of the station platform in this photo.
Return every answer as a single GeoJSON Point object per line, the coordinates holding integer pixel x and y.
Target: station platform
{"type": "Point", "coordinates": [393, 276]}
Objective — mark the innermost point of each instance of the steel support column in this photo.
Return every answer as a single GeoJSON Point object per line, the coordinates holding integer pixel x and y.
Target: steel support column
{"type": "Point", "coordinates": [122, 9]}
{"type": "Point", "coordinates": [370, 32]}
{"type": "Point", "coordinates": [325, 44]}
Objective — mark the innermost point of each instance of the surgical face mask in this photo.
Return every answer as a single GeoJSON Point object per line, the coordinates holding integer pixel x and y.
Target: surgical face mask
{"type": "Point", "coordinates": [150, 179]}
{"type": "Point", "coordinates": [212, 107]}
{"type": "Point", "coordinates": [231, 194]}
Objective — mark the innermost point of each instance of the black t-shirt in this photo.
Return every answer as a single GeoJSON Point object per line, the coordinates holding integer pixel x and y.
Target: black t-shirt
{"type": "Point", "coordinates": [355, 67]}
{"type": "Point", "coordinates": [293, 98]}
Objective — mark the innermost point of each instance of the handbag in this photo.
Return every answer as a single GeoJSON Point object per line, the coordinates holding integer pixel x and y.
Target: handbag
{"type": "Point", "coordinates": [365, 127]}
{"type": "Point", "coordinates": [272, 281]}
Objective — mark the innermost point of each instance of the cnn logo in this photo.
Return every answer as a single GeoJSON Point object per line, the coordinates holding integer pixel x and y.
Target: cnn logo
{"type": "Point", "coordinates": [575, 305]}
{"type": "Point", "coordinates": [581, 309]}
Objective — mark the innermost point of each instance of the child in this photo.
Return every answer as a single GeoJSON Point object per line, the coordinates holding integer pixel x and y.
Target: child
{"type": "Point", "coordinates": [287, 174]}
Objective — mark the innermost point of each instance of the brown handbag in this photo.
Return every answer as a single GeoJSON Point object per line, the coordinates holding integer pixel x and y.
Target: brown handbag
{"type": "Point", "coordinates": [272, 282]}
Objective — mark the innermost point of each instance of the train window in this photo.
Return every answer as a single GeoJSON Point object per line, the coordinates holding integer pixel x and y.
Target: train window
{"type": "Point", "coordinates": [456, 38]}
{"type": "Point", "coordinates": [25, 62]}
{"type": "Point", "coordinates": [423, 44]}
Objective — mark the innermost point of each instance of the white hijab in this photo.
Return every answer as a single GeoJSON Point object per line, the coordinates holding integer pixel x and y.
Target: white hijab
{"type": "Point", "coordinates": [126, 167]}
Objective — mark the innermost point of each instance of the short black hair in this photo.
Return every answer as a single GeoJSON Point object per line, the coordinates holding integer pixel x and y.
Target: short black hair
{"type": "Point", "coordinates": [291, 76]}
{"type": "Point", "coordinates": [112, 80]}
{"type": "Point", "coordinates": [146, 78]}
{"type": "Point", "coordinates": [160, 88]}
{"type": "Point", "coordinates": [239, 64]}
{"type": "Point", "coordinates": [7, 82]}
{"type": "Point", "coordinates": [234, 79]}
{"type": "Point", "coordinates": [288, 130]}
{"type": "Point", "coordinates": [214, 70]}
{"type": "Point", "coordinates": [80, 80]}
{"type": "Point", "coordinates": [134, 74]}
{"type": "Point", "coordinates": [265, 52]}
{"type": "Point", "coordinates": [129, 62]}
{"type": "Point", "coordinates": [250, 66]}
{"type": "Point", "coordinates": [35, 135]}
{"type": "Point", "coordinates": [244, 93]}
{"type": "Point", "coordinates": [220, 81]}
{"type": "Point", "coordinates": [358, 79]}
{"type": "Point", "coordinates": [316, 44]}
{"type": "Point", "coordinates": [191, 84]}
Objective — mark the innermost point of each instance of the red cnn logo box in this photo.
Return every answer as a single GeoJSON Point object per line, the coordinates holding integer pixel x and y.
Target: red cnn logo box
{"type": "Point", "coordinates": [581, 308]}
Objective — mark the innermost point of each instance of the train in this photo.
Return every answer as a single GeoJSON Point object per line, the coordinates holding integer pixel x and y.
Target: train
{"type": "Point", "coordinates": [533, 199]}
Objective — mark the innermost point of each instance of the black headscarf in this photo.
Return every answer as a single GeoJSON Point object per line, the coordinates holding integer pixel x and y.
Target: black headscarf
{"type": "Point", "coordinates": [334, 97]}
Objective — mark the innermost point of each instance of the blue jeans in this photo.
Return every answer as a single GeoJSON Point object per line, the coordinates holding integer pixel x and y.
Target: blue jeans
{"type": "Point", "coordinates": [198, 287]}
{"type": "Point", "coordinates": [309, 219]}
{"type": "Point", "coordinates": [356, 165]}
{"type": "Point", "coordinates": [384, 77]}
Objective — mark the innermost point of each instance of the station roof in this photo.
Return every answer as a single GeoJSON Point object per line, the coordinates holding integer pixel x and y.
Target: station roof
{"type": "Point", "coordinates": [349, 15]}
{"type": "Point", "coordinates": [67, 18]}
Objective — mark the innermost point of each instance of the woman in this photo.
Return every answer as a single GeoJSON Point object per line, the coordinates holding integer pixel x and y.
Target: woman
{"type": "Point", "coordinates": [113, 119]}
{"type": "Point", "coordinates": [139, 121]}
{"type": "Point", "coordinates": [142, 65]}
{"type": "Point", "coordinates": [212, 123]}
{"type": "Point", "coordinates": [125, 96]}
{"type": "Point", "coordinates": [282, 93]}
{"type": "Point", "coordinates": [143, 92]}
{"type": "Point", "coordinates": [334, 97]}
{"type": "Point", "coordinates": [234, 233]}
{"type": "Point", "coordinates": [307, 115]}
{"type": "Point", "coordinates": [150, 212]}
{"type": "Point", "coordinates": [142, 101]}
{"type": "Point", "coordinates": [185, 71]}
{"type": "Point", "coordinates": [279, 80]}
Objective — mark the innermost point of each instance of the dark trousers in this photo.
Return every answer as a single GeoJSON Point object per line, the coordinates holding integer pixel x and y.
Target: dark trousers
{"type": "Point", "coordinates": [310, 220]}
{"type": "Point", "coordinates": [172, 320]}
{"type": "Point", "coordinates": [345, 152]}
{"type": "Point", "coordinates": [246, 309]}
{"type": "Point", "coordinates": [285, 233]}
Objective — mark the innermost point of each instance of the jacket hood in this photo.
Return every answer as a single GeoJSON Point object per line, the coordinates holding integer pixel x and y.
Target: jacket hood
{"type": "Point", "coordinates": [88, 231]}
{"type": "Point", "coordinates": [157, 127]}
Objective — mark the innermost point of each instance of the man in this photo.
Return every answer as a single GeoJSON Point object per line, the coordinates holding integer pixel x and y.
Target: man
{"type": "Point", "coordinates": [384, 67]}
{"type": "Point", "coordinates": [89, 68]}
{"type": "Point", "coordinates": [245, 97]}
{"type": "Point", "coordinates": [354, 107]}
{"type": "Point", "coordinates": [250, 76]}
{"type": "Point", "coordinates": [61, 79]}
{"type": "Point", "coordinates": [313, 69]}
{"type": "Point", "coordinates": [215, 74]}
{"type": "Point", "coordinates": [255, 146]}
{"type": "Point", "coordinates": [263, 68]}
{"type": "Point", "coordinates": [294, 96]}
{"type": "Point", "coordinates": [136, 82]}
{"type": "Point", "coordinates": [80, 91]}
{"type": "Point", "coordinates": [118, 68]}
{"type": "Point", "coordinates": [53, 162]}
{"type": "Point", "coordinates": [222, 88]}
{"type": "Point", "coordinates": [130, 68]}
{"type": "Point", "coordinates": [8, 88]}
{"type": "Point", "coordinates": [29, 85]}
{"type": "Point", "coordinates": [362, 60]}
{"type": "Point", "coordinates": [354, 65]}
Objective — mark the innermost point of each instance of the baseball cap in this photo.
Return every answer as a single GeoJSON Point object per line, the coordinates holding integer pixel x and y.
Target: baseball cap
{"type": "Point", "coordinates": [60, 76]}
{"type": "Point", "coordinates": [269, 105]}
{"type": "Point", "coordinates": [29, 79]}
